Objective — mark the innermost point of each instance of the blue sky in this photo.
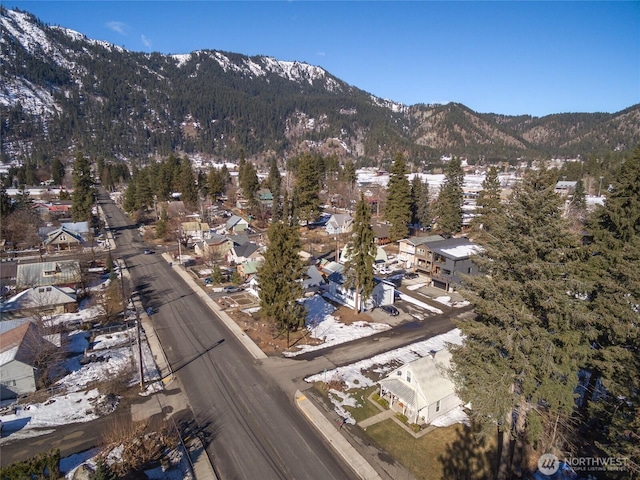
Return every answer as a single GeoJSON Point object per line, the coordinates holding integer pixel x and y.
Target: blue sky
{"type": "Point", "coordinates": [508, 57]}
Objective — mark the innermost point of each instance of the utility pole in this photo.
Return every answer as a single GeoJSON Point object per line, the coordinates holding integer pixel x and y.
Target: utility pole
{"type": "Point", "coordinates": [140, 363]}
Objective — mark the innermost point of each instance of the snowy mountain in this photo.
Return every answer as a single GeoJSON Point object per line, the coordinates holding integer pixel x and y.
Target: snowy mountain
{"type": "Point", "coordinates": [62, 92]}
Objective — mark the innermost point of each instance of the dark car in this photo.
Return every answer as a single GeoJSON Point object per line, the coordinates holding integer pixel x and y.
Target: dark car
{"type": "Point", "coordinates": [231, 289]}
{"type": "Point", "coordinates": [410, 275]}
{"type": "Point", "coordinates": [391, 310]}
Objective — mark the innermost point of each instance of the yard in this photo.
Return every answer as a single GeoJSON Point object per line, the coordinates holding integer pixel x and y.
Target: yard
{"type": "Point", "coordinates": [456, 451]}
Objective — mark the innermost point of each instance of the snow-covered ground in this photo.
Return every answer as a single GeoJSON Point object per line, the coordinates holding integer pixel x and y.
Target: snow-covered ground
{"type": "Point", "coordinates": [72, 401]}
{"type": "Point", "coordinates": [366, 372]}
{"type": "Point", "coordinates": [323, 325]}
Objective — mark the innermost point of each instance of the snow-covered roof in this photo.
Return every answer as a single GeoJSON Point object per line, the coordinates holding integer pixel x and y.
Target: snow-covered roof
{"type": "Point", "coordinates": [38, 297]}
{"type": "Point", "coordinates": [455, 248]}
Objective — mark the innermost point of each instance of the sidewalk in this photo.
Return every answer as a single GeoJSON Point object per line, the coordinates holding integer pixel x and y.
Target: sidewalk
{"type": "Point", "coordinates": [326, 427]}
{"type": "Point", "coordinates": [332, 434]}
{"type": "Point", "coordinates": [158, 403]}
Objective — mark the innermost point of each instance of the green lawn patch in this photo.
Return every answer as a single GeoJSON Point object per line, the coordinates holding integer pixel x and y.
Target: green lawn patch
{"type": "Point", "coordinates": [449, 452]}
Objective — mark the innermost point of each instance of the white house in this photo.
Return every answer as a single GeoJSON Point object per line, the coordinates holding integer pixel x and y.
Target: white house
{"type": "Point", "coordinates": [383, 293]}
{"type": "Point", "coordinates": [421, 390]}
{"type": "Point", "coordinates": [339, 223]}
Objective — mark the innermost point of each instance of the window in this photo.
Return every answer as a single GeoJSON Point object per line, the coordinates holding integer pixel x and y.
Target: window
{"type": "Point", "coordinates": [438, 406]}
{"type": "Point", "coordinates": [409, 376]}
{"type": "Point", "coordinates": [9, 383]}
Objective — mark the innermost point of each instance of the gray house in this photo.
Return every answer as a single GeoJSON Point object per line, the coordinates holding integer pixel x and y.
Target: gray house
{"type": "Point", "coordinates": [446, 261]}
{"type": "Point", "coordinates": [18, 352]}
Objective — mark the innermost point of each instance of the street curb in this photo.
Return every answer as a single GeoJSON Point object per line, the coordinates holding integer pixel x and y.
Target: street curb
{"type": "Point", "coordinates": [246, 341]}
{"type": "Point", "coordinates": [349, 454]}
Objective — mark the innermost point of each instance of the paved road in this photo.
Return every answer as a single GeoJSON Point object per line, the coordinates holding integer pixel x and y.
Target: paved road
{"type": "Point", "coordinates": [252, 427]}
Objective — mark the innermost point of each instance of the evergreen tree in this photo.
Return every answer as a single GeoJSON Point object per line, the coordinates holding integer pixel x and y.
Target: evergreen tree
{"type": "Point", "coordinates": [103, 472]}
{"type": "Point", "coordinates": [217, 184]}
{"type": "Point", "coordinates": [57, 171]}
{"type": "Point", "coordinates": [489, 201]}
{"type": "Point", "coordinates": [248, 180]}
{"type": "Point", "coordinates": [450, 198]}
{"type": "Point", "coordinates": [130, 196]}
{"type": "Point", "coordinates": [144, 192]}
{"type": "Point", "coordinates": [614, 294]}
{"type": "Point", "coordinates": [416, 191]}
{"type": "Point", "coordinates": [349, 174]}
{"type": "Point", "coordinates": [423, 207]}
{"type": "Point", "coordinates": [397, 210]}
{"type": "Point", "coordinates": [521, 354]}
{"type": "Point", "coordinates": [24, 202]}
{"type": "Point", "coordinates": [188, 184]}
{"type": "Point", "coordinates": [275, 179]}
{"type": "Point", "coordinates": [577, 207]}
{"type": "Point", "coordinates": [216, 275]}
{"type": "Point", "coordinates": [275, 184]}
{"type": "Point", "coordinates": [83, 192]}
{"type": "Point", "coordinates": [5, 202]}
{"type": "Point", "coordinates": [306, 188]}
{"type": "Point", "coordinates": [361, 254]}
{"type": "Point", "coordinates": [281, 277]}
{"type": "Point", "coordinates": [162, 223]}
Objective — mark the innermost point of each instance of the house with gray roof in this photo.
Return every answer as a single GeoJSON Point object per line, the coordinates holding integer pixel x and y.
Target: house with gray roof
{"type": "Point", "coordinates": [421, 390]}
{"type": "Point", "coordinates": [446, 261]}
{"type": "Point", "coordinates": [63, 239]}
{"type": "Point", "coordinates": [19, 348]}
{"type": "Point", "coordinates": [61, 272]}
{"type": "Point", "coordinates": [339, 223]}
{"type": "Point", "coordinates": [236, 224]}
{"type": "Point", "coordinates": [44, 300]}
{"type": "Point", "coordinates": [410, 249]}
{"type": "Point", "coordinates": [246, 252]}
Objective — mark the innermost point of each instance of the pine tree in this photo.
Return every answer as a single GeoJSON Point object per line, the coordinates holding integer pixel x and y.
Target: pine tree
{"type": "Point", "coordinates": [103, 472]}
{"type": "Point", "coordinates": [416, 191]}
{"type": "Point", "coordinates": [450, 198]}
{"type": "Point", "coordinates": [216, 275]}
{"type": "Point", "coordinates": [281, 277]}
{"type": "Point", "coordinates": [130, 196]}
{"type": "Point", "coordinates": [188, 184]}
{"type": "Point", "coordinates": [614, 293]}
{"type": "Point", "coordinates": [397, 210]}
{"type": "Point", "coordinates": [83, 192]}
{"type": "Point", "coordinates": [521, 354]}
{"type": "Point", "coordinates": [57, 171]}
{"type": "Point", "coordinates": [248, 180]}
{"type": "Point", "coordinates": [423, 207]}
{"type": "Point", "coordinates": [306, 188]}
{"type": "Point", "coordinates": [361, 253]}
{"type": "Point", "coordinates": [5, 202]}
{"type": "Point", "coordinates": [489, 201]}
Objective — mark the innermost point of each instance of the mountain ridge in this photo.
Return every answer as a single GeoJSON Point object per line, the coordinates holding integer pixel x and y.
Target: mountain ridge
{"type": "Point", "coordinates": [63, 91]}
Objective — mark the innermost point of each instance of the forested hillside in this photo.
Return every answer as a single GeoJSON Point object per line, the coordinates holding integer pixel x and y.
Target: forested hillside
{"type": "Point", "coordinates": [63, 92]}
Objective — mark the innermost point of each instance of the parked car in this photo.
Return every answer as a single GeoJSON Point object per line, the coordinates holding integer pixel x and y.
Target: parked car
{"type": "Point", "coordinates": [147, 251]}
{"type": "Point", "coordinates": [232, 289]}
{"type": "Point", "coordinates": [410, 275]}
{"type": "Point", "coordinates": [390, 310]}
{"type": "Point", "coordinates": [383, 270]}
